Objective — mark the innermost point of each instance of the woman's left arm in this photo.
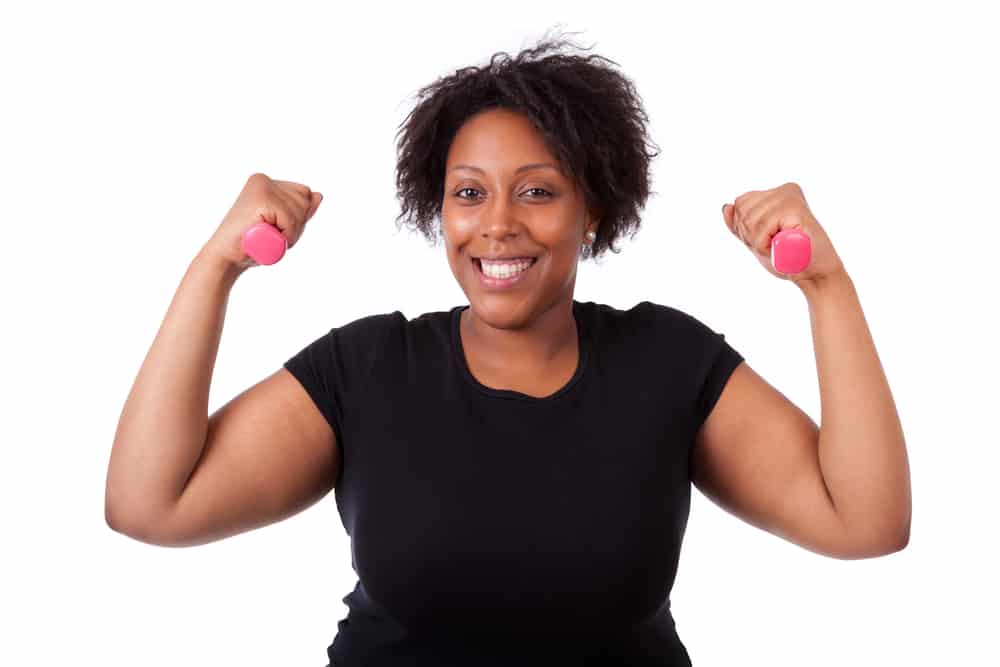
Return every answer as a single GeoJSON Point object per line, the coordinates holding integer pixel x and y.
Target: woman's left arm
{"type": "Point", "coordinates": [862, 450]}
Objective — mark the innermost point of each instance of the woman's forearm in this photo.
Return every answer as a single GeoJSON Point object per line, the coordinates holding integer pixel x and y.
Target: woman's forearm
{"type": "Point", "coordinates": [163, 425]}
{"type": "Point", "coordinates": [862, 450]}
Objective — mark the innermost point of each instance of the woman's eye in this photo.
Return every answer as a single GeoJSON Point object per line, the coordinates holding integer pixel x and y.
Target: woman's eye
{"type": "Point", "coordinates": [459, 193]}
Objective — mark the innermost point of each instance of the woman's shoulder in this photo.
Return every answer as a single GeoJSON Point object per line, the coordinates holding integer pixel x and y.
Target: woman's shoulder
{"type": "Point", "coordinates": [681, 319]}
{"type": "Point", "coordinates": [647, 321]}
{"type": "Point", "coordinates": [640, 314]}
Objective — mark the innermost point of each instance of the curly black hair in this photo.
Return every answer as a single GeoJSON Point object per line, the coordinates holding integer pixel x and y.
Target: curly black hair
{"type": "Point", "coordinates": [589, 114]}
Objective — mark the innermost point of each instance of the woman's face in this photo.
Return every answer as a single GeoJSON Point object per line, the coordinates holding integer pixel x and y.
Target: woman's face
{"type": "Point", "coordinates": [499, 211]}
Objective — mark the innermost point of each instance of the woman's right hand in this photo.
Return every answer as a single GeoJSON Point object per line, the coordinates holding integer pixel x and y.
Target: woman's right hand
{"type": "Point", "coordinates": [286, 205]}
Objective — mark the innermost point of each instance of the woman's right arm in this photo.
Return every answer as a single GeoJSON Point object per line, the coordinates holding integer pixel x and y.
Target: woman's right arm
{"type": "Point", "coordinates": [162, 429]}
{"type": "Point", "coordinates": [178, 477]}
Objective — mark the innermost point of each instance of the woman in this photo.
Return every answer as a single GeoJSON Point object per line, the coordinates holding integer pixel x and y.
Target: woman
{"type": "Point", "coordinates": [515, 473]}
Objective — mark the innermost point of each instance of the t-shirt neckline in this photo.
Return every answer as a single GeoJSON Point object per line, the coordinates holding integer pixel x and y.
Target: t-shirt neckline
{"type": "Point", "coordinates": [583, 346]}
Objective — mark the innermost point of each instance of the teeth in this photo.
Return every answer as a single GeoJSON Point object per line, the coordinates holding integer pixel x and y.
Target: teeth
{"type": "Point", "coordinates": [503, 269]}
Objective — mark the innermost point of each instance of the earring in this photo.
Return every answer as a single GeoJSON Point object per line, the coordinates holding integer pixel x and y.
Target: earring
{"type": "Point", "coordinates": [591, 235]}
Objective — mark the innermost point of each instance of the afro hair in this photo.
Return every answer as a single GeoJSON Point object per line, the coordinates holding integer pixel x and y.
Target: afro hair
{"type": "Point", "coordinates": [589, 115]}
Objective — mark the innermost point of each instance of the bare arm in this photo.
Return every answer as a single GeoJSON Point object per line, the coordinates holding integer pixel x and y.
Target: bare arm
{"type": "Point", "coordinates": [862, 448]}
{"type": "Point", "coordinates": [178, 478]}
{"type": "Point", "coordinates": [166, 445]}
{"type": "Point", "coordinates": [163, 425]}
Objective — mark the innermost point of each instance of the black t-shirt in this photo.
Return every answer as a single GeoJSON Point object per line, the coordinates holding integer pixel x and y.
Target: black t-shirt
{"type": "Point", "coordinates": [492, 527]}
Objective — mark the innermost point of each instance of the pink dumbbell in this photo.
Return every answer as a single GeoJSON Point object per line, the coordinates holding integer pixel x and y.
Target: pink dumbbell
{"type": "Point", "coordinates": [790, 248]}
{"type": "Point", "coordinates": [791, 251]}
{"type": "Point", "coordinates": [264, 243]}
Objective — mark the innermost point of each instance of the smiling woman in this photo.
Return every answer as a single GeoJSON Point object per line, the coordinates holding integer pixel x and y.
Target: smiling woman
{"type": "Point", "coordinates": [543, 156]}
{"type": "Point", "coordinates": [514, 473]}
{"type": "Point", "coordinates": [516, 480]}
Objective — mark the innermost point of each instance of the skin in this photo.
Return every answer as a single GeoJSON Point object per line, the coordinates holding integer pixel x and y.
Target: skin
{"type": "Point", "coordinates": [522, 338]}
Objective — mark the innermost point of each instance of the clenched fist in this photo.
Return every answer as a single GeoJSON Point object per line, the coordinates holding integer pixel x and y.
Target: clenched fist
{"type": "Point", "coordinates": [756, 217]}
{"type": "Point", "coordinates": [286, 205]}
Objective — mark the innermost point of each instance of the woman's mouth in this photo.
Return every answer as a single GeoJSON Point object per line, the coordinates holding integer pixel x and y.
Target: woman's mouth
{"type": "Point", "coordinates": [505, 274]}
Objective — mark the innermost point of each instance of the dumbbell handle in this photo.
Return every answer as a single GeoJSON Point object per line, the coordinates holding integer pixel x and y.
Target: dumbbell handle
{"type": "Point", "coordinates": [791, 251]}
{"type": "Point", "coordinates": [264, 243]}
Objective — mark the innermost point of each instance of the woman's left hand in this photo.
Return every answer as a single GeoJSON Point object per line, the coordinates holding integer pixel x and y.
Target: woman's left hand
{"type": "Point", "coordinates": [756, 216]}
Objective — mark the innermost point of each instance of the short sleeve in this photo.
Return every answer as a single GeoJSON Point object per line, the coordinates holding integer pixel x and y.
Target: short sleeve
{"type": "Point", "coordinates": [704, 358]}
{"type": "Point", "coordinates": [722, 361]}
{"type": "Point", "coordinates": [333, 367]}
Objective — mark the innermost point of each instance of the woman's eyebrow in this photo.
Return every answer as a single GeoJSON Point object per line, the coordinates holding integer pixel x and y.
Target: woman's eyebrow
{"type": "Point", "coordinates": [524, 167]}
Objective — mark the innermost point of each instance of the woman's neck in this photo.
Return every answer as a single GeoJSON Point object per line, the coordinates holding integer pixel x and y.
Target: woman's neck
{"type": "Point", "coordinates": [548, 339]}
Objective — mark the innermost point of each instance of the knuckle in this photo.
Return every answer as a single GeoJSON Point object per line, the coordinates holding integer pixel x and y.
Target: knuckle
{"type": "Point", "coordinates": [290, 215]}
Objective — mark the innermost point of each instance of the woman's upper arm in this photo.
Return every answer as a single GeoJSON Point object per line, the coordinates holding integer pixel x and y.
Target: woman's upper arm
{"type": "Point", "coordinates": [269, 453]}
{"type": "Point", "coordinates": [756, 456]}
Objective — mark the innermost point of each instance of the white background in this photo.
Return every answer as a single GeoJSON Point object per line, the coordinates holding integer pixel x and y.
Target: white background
{"type": "Point", "coordinates": [128, 129]}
